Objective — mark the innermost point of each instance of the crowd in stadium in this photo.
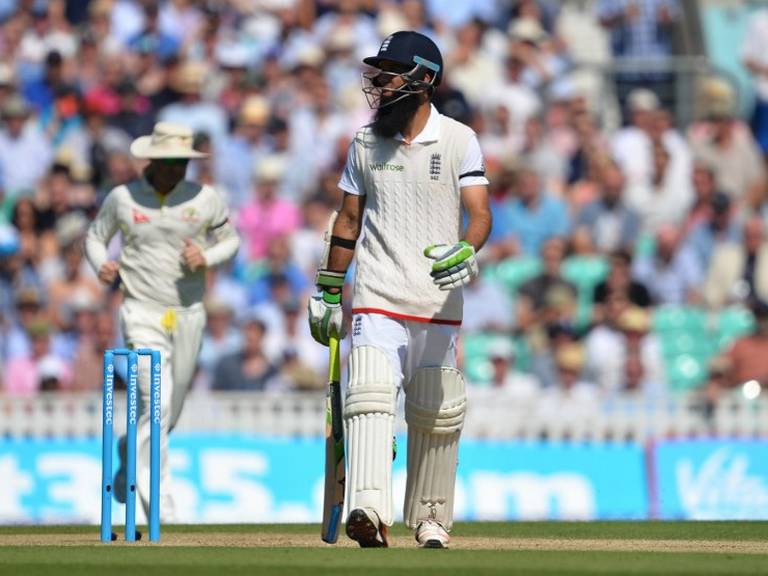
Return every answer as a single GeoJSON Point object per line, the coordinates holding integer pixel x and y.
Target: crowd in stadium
{"type": "Point", "coordinates": [625, 255]}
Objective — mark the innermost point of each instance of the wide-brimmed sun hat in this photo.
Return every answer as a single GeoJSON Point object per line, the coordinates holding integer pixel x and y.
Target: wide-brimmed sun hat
{"type": "Point", "coordinates": [527, 30]}
{"type": "Point", "coordinates": [166, 141]}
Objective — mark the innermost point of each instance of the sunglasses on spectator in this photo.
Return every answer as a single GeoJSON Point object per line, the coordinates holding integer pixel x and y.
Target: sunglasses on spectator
{"type": "Point", "coordinates": [172, 161]}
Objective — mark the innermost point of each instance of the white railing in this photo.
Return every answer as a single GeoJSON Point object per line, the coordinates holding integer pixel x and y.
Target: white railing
{"type": "Point", "coordinates": [627, 417]}
{"type": "Point", "coordinates": [550, 416]}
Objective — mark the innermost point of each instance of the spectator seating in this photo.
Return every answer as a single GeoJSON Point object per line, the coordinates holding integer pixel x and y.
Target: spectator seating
{"type": "Point", "coordinates": [514, 272]}
{"type": "Point", "coordinates": [732, 323]}
{"type": "Point", "coordinates": [477, 348]}
{"type": "Point", "coordinates": [585, 272]}
{"type": "Point", "coordinates": [685, 371]}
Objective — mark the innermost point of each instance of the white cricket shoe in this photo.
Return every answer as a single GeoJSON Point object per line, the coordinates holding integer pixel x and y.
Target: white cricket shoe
{"type": "Point", "coordinates": [365, 528]}
{"type": "Point", "coordinates": [431, 534]}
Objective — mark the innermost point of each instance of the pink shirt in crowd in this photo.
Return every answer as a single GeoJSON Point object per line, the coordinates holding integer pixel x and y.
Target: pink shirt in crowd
{"type": "Point", "coordinates": [260, 222]}
{"type": "Point", "coordinates": [22, 375]}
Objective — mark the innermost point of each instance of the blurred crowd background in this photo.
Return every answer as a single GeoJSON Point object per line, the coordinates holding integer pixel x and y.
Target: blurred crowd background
{"type": "Point", "coordinates": [625, 142]}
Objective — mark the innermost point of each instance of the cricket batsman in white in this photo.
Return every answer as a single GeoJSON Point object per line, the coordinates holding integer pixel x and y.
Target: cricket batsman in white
{"type": "Point", "coordinates": [408, 175]}
{"type": "Point", "coordinates": [173, 230]}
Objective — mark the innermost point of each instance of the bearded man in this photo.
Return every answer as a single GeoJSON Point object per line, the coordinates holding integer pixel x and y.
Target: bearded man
{"type": "Point", "coordinates": [408, 175]}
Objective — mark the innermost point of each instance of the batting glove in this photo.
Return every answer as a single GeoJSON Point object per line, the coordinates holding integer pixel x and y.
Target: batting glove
{"type": "Point", "coordinates": [455, 265]}
{"type": "Point", "coordinates": [326, 317]}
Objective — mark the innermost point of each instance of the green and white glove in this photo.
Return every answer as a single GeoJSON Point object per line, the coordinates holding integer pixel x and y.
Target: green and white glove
{"type": "Point", "coordinates": [455, 265]}
{"type": "Point", "coordinates": [326, 317]}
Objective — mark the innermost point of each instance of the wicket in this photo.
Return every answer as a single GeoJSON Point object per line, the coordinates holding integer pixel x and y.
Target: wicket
{"type": "Point", "coordinates": [132, 410]}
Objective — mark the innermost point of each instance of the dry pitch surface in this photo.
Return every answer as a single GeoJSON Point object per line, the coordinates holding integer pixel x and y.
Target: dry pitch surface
{"type": "Point", "coordinates": [287, 540]}
{"type": "Point", "coordinates": [478, 548]}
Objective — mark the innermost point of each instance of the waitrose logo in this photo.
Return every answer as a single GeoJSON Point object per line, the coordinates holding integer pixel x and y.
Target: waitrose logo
{"type": "Point", "coordinates": [383, 167]}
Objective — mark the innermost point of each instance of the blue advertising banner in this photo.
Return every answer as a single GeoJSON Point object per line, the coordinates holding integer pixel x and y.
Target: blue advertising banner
{"type": "Point", "coordinates": [551, 481]}
{"type": "Point", "coordinates": [225, 479]}
{"type": "Point", "coordinates": [711, 480]}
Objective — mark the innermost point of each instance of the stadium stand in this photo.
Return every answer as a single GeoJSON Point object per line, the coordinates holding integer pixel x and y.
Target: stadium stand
{"type": "Point", "coordinates": [271, 86]}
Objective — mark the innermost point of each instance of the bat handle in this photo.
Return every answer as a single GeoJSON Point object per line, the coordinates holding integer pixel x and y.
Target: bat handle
{"type": "Point", "coordinates": [334, 369]}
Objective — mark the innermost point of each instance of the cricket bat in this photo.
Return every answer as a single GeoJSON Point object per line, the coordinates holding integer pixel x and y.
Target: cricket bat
{"type": "Point", "coordinates": [335, 474]}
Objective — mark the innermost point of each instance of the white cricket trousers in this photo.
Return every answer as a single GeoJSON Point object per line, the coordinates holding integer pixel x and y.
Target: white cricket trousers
{"type": "Point", "coordinates": [177, 333]}
{"type": "Point", "coordinates": [408, 344]}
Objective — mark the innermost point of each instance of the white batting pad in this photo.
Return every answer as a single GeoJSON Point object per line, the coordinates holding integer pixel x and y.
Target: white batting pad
{"type": "Point", "coordinates": [369, 413]}
{"type": "Point", "coordinates": [435, 404]}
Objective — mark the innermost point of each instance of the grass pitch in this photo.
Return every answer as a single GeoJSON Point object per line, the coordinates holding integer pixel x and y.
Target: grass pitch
{"type": "Point", "coordinates": [478, 548]}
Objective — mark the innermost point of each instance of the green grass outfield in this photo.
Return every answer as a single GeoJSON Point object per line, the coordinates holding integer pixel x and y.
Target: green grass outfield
{"type": "Point", "coordinates": [478, 548]}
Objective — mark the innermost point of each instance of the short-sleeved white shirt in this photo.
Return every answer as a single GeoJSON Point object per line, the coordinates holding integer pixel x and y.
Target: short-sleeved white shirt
{"type": "Point", "coordinates": [472, 168]}
{"type": "Point", "coordinates": [154, 230]}
{"type": "Point", "coordinates": [413, 200]}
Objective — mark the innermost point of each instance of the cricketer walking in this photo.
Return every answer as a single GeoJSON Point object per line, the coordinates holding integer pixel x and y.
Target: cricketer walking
{"type": "Point", "coordinates": [407, 177]}
{"type": "Point", "coordinates": [173, 230]}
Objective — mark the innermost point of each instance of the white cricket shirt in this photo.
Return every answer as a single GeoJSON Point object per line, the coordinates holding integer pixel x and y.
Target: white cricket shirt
{"type": "Point", "coordinates": [154, 231]}
{"type": "Point", "coordinates": [413, 201]}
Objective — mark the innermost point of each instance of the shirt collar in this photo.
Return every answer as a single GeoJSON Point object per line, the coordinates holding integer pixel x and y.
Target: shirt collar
{"type": "Point", "coordinates": [431, 130]}
{"type": "Point", "coordinates": [150, 190]}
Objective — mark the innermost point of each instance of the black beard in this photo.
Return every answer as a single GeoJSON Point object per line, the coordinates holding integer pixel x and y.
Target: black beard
{"type": "Point", "coordinates": [394, 118]}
